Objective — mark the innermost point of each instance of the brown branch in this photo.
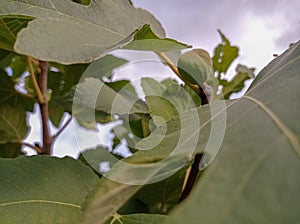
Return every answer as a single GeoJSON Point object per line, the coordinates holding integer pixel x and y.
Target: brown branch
{"type": "Point", "coordinates": [34, 147]}
{"type": "Point", "coordinates": [192, 177]}
{"type": "Point", "coordinates": [62, 129]}
{"type": "Point", "coordinates": [204, 98]}
{"type": "Point", "coordinates": [42, 82]}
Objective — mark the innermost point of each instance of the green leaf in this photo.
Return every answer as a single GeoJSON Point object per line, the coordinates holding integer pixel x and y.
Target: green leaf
{"type": "Point", "coordinates": [146, 40]}
{"type": "Point", "coordinates": [64, 77]}
{"type": "Point", "coordinates": [162, 196]}
{"type": "Point", "coordinates": [133, 128]}
{"type": "Point", "coordinates": [67, 32]}
{"type": "Point", "coordinates": [94, 94]}
{"type": "Point", "coordinates": [60, 82]}
{"type": "Point", "coordinates": [159, 197]}
{"type": "Point", "coordinates": [10, 150]}
{"type": "Point", "coordinates": [124, 179]}
{"type": "Point", "coordinates": [13, 126]}
{"type": "Point", "coordinates": [137, 219]}
{"type": "Point", "coordinates": [121, 85]}
{"type": "Point", "coordinates": [167, 99]}
{"type": "Point", "coordinates": [9, 27]}
{"type": "Point", "coordinates": [160, 109]}
{"type": "Point", "coordinates": [18, 66]}
{"type": "Point", "coordinates": [41, 189]}
{"type": "Point", "coordinates": [238, 82]}
{"type": "Point", "coordinates": [98, 155]}
{"type": "Point", "coordinates": [5, 58]}
{"type": "Point", "coordinates": [104, 66]}
{"type": "Point", "coordinates": [255, 177]}
{"type": "Point", "coordinates": [106, 200]}
{"type": "Point", "coordinates": [88, 118]}
{"type": "Point", "coordinates": [11, 97]}
{"type": "Point", "coordinates": [224, 55]}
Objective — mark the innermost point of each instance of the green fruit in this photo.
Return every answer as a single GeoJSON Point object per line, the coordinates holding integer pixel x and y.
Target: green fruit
{"type": "Point", "coordinates": [195, 66]}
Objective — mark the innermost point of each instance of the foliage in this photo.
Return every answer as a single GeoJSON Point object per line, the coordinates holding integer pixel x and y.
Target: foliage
{"type": "Point", "coordinates": [54, 54]}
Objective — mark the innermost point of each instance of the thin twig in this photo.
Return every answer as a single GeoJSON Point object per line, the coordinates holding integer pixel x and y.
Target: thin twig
{"type": "Point", "coordinates": [62, 129]}
{"type": "Point", "coordinates": [38, 92]}
{"type": "Point", "coordinates": [34, 147]}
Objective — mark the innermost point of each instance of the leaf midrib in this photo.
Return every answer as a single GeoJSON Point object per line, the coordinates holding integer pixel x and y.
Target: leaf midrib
{"type": "Point", "coordinates": [282, 127]}
{"type": "Point", "coordinates": [39, 201]}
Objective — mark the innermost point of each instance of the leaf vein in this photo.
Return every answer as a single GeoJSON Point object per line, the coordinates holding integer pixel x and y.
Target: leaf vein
{"type": "Point", "coordinates": [243, 183]}
{"type": "Point", "coordinates": [285, 130]}
{"type": "Point", "coordinates": [39, 201]}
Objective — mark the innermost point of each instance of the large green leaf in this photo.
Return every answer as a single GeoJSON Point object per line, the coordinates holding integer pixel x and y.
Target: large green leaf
{"type": "Point", "coordinates": [64, 77]}
{"type": "Point", "coordinates": [93, 100]}
{"type": "Point", "coordinates": [255, 177]}
{"type": "Point", "coordinates": [159, 196]}
{"type": "Point", "coordinates": [67, 32]}
{"type": "Point", "coordinates": [95, 94]}
{"type": "Point", "coordinates": [124, 179]}
{"type": "Point", "coordinates": [42, 189]}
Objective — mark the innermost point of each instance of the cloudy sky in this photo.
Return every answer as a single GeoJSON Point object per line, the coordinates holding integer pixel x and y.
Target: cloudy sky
{"type": "Point", "coordinates": [259, 27]}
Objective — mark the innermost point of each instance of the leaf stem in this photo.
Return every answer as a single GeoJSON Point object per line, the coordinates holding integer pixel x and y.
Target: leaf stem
{"type": "Point", "coordinates": [174, 68]}
{"type": "Point", "coordinates": [39, 94]}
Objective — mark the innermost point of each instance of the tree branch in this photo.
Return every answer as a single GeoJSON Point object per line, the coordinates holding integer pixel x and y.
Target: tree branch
{"type": "Point", "coordinates": [192, 175]}
{"type": "Point", "coordinates": [42, 82]}
{"type": "Point", "coordinates": [34, 147]}
{"type": "Point", "coordinates": [62, 129]}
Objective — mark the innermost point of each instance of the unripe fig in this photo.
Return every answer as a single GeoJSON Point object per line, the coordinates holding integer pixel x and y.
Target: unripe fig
{"type": "Point", "coordinates": [195, 66]}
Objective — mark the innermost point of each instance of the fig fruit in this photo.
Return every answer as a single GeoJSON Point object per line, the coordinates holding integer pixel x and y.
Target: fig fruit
{"type": "Point", "coordinates": [195, 66]}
